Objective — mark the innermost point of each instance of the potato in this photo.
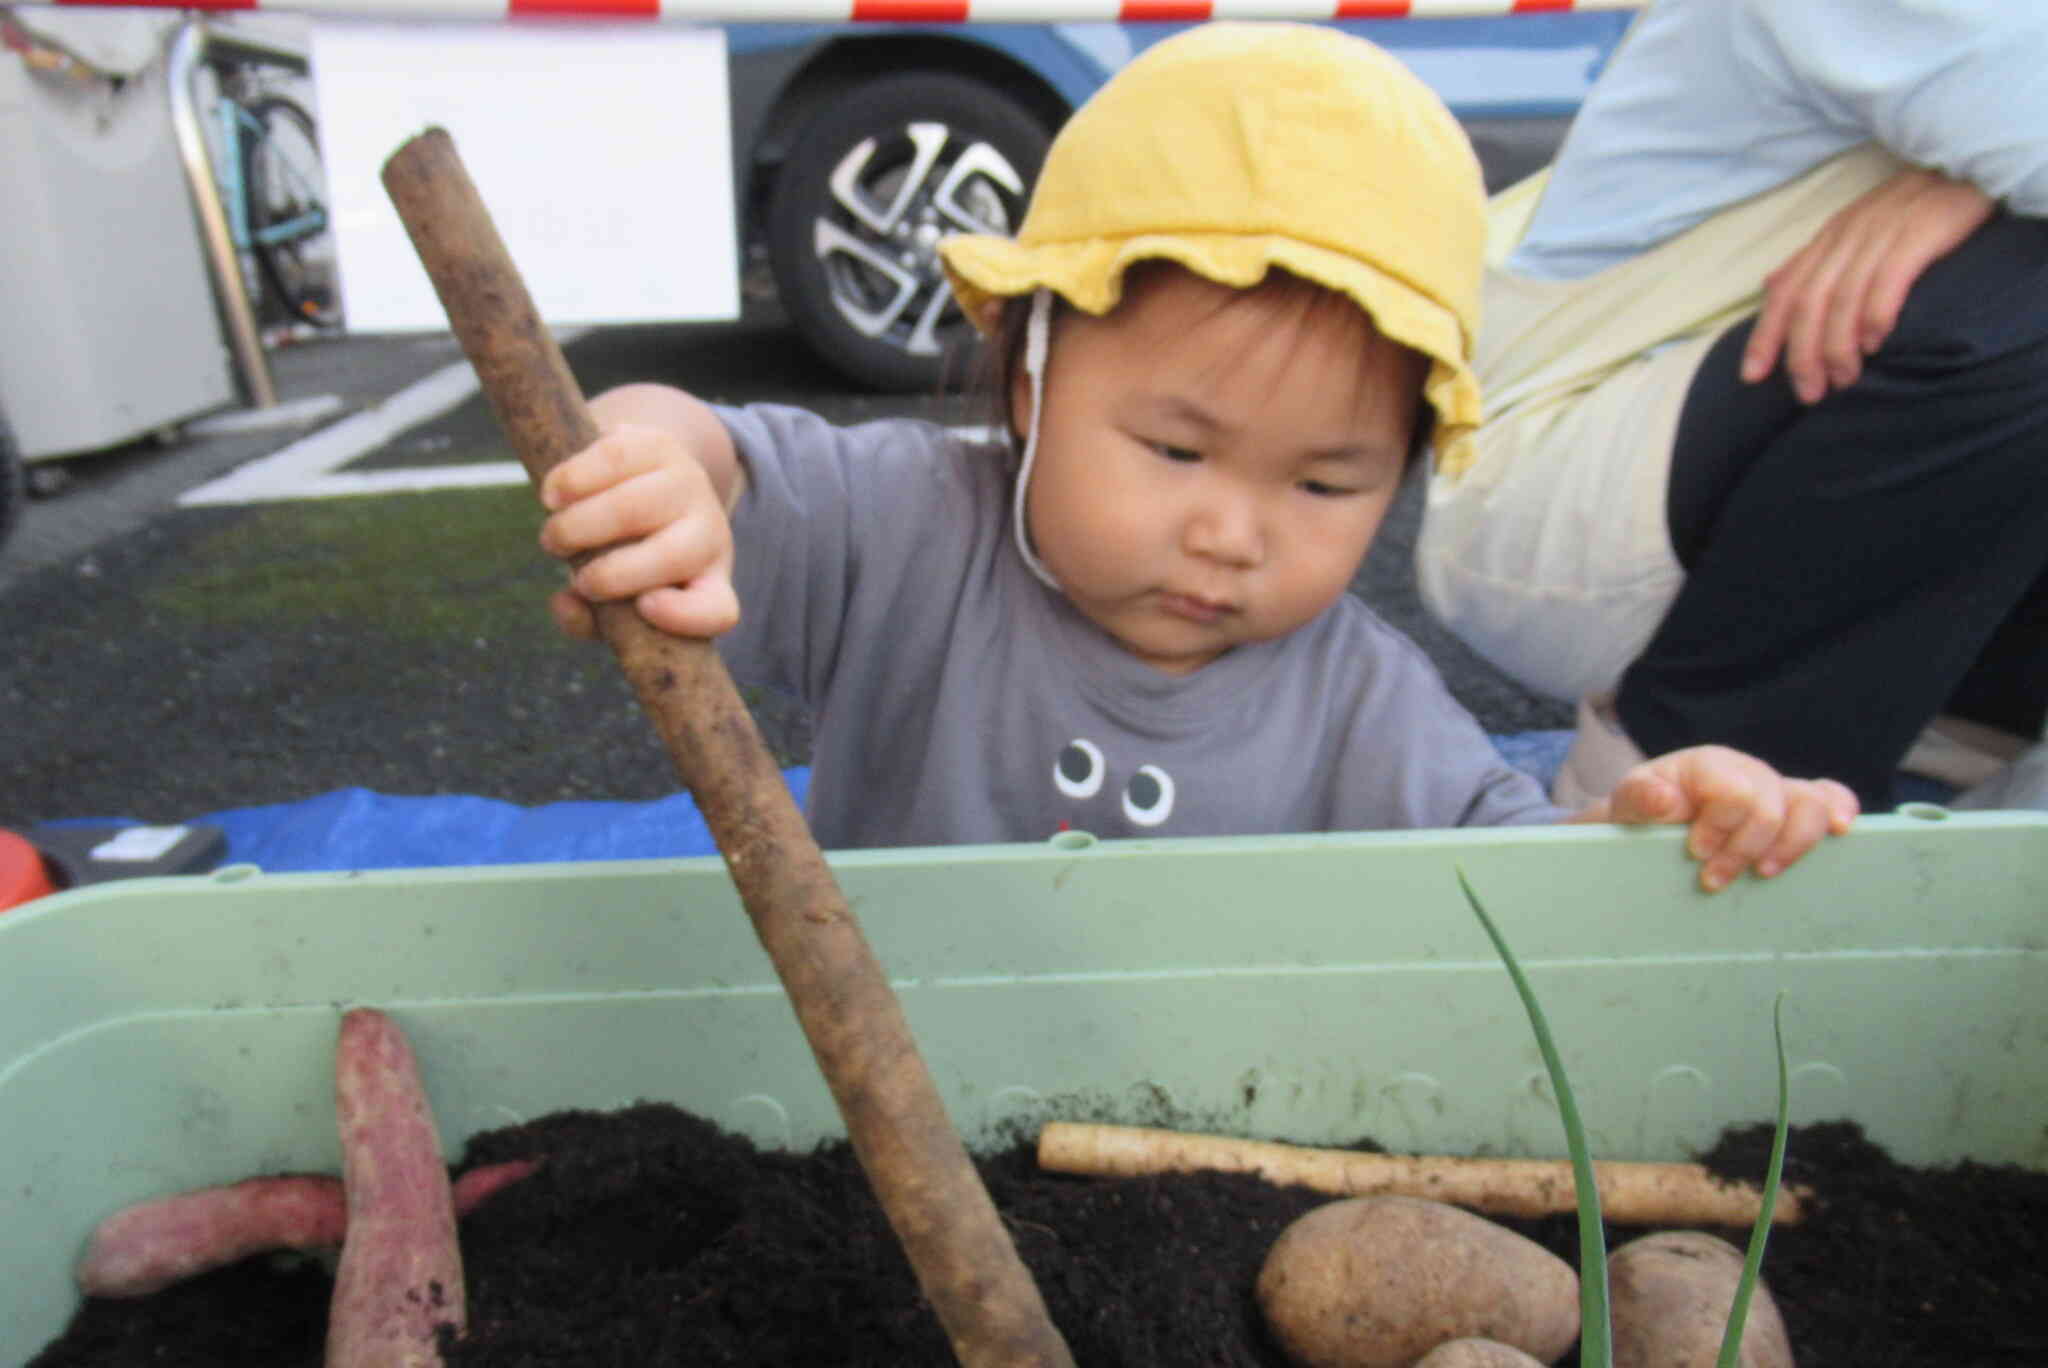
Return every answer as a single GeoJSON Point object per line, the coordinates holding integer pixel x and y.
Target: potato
{"type": "Point", "coordinates": [1476, 1353]}
{"type": "Point", "coordinates": [1377, 1282]}
{"type": "Point", "coordinates": [1669, 1296]}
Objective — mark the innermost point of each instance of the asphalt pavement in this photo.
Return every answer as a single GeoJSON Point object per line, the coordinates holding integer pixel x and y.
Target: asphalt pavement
{"type": "Point", "coordinates": [166, 661]}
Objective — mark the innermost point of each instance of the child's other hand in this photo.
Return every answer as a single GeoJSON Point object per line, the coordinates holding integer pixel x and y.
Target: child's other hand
{"type": "Point", "coordinates": [640, 492]}
{"type": "Point", "coordinates": [1743, 813]}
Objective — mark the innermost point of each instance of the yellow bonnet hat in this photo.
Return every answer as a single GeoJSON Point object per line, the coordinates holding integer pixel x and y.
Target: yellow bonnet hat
{"type": "Point", "coordinates": [1234, 147]}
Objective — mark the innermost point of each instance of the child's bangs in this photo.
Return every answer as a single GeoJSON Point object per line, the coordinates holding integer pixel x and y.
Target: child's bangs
{"type": "Point", "coordinates": [1303, 306]}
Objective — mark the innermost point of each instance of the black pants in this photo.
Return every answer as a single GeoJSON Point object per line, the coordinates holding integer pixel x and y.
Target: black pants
{"type": "Point", "coordinates": [1856, 566]}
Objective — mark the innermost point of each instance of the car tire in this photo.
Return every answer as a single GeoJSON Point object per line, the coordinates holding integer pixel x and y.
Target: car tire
{"type": "Point", "coordinates": [870, 184]}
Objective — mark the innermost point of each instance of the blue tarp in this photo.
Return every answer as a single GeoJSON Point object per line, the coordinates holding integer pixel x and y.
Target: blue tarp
{"type": "Point", "coordinates": [356, 828]}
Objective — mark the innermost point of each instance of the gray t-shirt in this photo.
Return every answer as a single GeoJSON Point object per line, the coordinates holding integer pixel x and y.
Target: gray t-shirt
{"type": "Point", "coordinates": [959, 700]}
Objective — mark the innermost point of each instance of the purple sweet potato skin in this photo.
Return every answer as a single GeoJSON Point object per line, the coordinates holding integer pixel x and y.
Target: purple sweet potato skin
{"type": "Point", "coordinates": [484, 1182]}
{"type": "Point", "coordinates": [400, 1275]}
{"type": "Point", "coordinates": [146, 1247]}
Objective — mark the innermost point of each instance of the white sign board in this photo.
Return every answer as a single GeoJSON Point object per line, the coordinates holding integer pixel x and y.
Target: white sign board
{"type": "Point", "coordinates": [602, 150]}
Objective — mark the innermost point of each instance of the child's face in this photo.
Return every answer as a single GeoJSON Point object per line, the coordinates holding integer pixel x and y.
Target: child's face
{"type": "Point", "coordinates": [1213, 463]}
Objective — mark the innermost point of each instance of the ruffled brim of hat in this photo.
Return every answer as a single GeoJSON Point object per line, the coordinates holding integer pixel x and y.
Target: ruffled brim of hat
{"type": "Point", "coordinates": [986, 270]}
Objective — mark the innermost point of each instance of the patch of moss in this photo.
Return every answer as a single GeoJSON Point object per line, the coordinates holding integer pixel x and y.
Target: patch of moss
{"type": "Point", "coordinates": [432, 565]}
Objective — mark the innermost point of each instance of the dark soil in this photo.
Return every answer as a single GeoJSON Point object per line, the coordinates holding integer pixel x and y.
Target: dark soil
{"type": "Point", "coordinates": [650, 1237]}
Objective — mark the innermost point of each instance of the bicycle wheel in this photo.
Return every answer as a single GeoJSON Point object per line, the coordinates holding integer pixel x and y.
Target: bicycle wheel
{"type": "Point", "coordinates": [289, 232]}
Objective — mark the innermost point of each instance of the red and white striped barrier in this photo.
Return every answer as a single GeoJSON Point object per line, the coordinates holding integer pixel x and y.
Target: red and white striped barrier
{"type": "Point", "coordinates": [900, 11]}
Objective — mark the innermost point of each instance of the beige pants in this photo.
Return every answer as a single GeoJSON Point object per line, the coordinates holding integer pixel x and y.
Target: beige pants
{"type": "Point", "coordinates": [1550, 554]}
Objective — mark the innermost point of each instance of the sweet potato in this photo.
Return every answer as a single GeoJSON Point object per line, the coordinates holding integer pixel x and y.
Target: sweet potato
{"type": "Point", "coordinates": [1377, 1282]}
{"type": "Point", "coordinates": [146, 1247]}
{"type": "Point", "coordinates": [480, 1184]}
{"type": "Point", "coordinates": [400, 1276]}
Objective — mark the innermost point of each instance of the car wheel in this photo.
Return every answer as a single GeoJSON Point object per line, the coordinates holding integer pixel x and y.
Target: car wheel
{"type": "Point", "coordinates": [870, 186]}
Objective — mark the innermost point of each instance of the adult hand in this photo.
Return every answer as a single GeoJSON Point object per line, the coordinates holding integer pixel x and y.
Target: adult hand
{"type": "Point", "coordinates": [1742, 813]}
{"type": "Point", "coordinates": [1838, 298]}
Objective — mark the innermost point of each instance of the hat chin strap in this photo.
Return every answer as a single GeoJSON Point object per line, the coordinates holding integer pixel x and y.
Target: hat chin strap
{"type": "Point", "coordinates": [1037, 329]}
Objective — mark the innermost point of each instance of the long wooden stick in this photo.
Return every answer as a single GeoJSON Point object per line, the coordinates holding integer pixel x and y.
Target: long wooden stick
{"type": "Point", "coordinates": [1630, 1193]}
{"type": "Point", "coordinates": [915, 1161]}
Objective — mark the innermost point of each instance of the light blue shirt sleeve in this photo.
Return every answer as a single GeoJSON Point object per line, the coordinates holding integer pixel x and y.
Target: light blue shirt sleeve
{"type": "Point", "coordinates": [1960, 86]}
{"type": "Point", "coordinates": [1710, 102]}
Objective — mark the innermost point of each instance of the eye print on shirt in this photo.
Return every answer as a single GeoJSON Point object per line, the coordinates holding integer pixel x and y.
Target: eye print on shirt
{"type": "Point", "coordinates": [1081, 768]}
{"type": "Point", "coordinates": [1078, 771]}
{"type": "Point", "coordinates": [1148, 798]}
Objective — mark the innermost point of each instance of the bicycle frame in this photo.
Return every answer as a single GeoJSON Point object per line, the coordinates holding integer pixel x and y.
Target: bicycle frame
{"type": "Point", "coordinates": [198, 44]}
{"type": "Point", "coordinates": [232, 173]}
{"type": "Point", "coordinates": [229, 170]}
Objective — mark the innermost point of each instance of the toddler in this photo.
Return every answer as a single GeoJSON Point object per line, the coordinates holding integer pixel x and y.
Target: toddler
{"type": "Point", "coordinates": [1238, 311]}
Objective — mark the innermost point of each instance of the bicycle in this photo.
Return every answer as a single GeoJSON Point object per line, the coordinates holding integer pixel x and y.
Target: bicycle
{"type": "Point", "coordinates": [267, 165]}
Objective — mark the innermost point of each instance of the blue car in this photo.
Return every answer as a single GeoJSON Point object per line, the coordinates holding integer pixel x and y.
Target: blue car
{"type": "Point", "coordinates": [857, 146]}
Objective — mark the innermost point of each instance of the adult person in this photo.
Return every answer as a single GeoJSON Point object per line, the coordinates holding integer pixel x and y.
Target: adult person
{"type": "Point", "coordinates": [1765, 354]}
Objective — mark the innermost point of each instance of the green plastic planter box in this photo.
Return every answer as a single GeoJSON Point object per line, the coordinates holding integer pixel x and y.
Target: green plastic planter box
{"type": "Point", "coordinates": [163, 1034]}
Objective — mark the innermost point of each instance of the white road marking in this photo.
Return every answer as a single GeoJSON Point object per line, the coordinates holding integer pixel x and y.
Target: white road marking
{"type": "Point", "coordinates": [306, 469]}
{"type": "Point", "coordinates": [291, 413]}
{"type": "Point", "coordinates": [311, 468]}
